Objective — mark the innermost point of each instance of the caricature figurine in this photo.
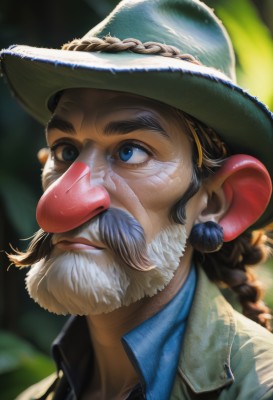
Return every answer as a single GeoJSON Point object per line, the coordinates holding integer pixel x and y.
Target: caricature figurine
{"type": "Point", "coordinates": [157, 193]}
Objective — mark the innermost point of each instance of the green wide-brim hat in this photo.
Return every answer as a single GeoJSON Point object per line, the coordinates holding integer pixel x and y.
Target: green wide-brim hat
{"type": "Point", "coordinates": [207, 91]}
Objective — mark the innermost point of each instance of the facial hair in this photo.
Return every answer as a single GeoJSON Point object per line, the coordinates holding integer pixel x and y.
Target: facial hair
{"type": "Point", "coordinates": [96, 282]}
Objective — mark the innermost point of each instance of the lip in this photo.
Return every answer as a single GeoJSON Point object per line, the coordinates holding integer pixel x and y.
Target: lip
{"type": "Point", "coordinates": [76, 244]}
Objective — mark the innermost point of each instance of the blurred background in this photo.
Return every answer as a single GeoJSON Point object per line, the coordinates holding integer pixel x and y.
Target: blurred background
{"type": "Point", "coordinates": [26, 331]}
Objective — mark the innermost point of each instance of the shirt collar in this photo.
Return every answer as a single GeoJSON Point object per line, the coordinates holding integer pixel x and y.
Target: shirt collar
{"type": "Point", "coordinates": [154, 346]}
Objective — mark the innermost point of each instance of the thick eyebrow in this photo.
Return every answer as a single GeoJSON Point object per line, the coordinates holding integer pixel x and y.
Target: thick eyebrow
{"type": "Point", "coordinates": [142, 122]}
{"type": "Point", "coordinates": [147, 122]}
{"type": "Point", "coordinates": [58, 123]}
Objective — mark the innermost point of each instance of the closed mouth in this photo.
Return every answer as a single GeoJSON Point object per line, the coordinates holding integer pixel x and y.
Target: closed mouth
{"type": "Point", "coordinates": [77, 243]}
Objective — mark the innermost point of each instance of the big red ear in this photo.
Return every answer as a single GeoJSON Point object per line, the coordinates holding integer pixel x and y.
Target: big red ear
{"type": "Point", "coordinates": [247, 187]}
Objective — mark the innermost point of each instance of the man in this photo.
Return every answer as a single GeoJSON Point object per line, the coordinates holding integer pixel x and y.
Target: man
{"type": "Point", "coordinates": [157, 185]}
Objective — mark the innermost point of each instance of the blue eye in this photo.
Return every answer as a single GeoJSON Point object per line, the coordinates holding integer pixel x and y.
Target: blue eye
{"type": "Point", "coordinates": [65, 152]}
{"type": "Point", "coordinates": [132, 154]}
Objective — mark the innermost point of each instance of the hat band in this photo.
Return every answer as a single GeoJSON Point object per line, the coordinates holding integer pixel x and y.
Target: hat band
{"type": "Point", "coordinates": [115, 45]}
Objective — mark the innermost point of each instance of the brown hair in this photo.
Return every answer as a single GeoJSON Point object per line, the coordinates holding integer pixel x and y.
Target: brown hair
{"type": "Point", "coordinates": [230, 266]}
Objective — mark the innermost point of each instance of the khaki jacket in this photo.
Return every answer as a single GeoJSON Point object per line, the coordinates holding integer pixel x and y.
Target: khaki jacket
{"type": "Point", "coordinates": [225, 356]}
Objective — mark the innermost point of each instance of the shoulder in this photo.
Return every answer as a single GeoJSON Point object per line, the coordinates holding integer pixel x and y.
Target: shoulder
{"type": "Point", "coordinates": [251, 332]}
{"type": "Point", "coordinates": [224, 353]}
{"type": "Point", "coordinates": [253, 348]}
{"type": "Point", "coordinates": [251, 361]}
{"type": "Point", "coordinates": [41, 390]}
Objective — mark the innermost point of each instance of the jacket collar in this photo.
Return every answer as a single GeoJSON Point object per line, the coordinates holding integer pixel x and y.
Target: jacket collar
{"type": "Point", "coordinates": [210, 332]}
{"type": "Point", "coordinates": [73, 354]}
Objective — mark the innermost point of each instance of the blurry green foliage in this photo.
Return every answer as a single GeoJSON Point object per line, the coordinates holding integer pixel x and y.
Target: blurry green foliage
{"type": "Point", "coordinates": [20, 365]}
{"type": "Point", "coordinates": [253, 44]}
{"type": "Point", "coordinates": [50, 24]}
{"type": "Point", "coordinates": [265, 273]}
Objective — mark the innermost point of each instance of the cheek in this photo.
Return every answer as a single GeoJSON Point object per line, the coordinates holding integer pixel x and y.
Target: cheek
{"type": "Point", "coordinates": [122, 195]}
{"type": "Point", "coordinates": [149, 197]}
{"type": "Point", "coordinates": [160, 190]}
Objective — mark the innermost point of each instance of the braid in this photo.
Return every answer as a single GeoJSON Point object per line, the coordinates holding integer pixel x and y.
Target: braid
{"type": "Point", "coordinates": [230, 266]}
{"type": "Point", "coordinates": [115, 45]}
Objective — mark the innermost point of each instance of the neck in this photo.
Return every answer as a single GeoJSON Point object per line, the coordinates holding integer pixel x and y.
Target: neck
{"type": "Point", "coordinates": [114, 376]}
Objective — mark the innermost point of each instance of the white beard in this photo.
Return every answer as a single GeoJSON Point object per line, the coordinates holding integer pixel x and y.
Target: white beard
{"type": "Point", "coordinates": [76, 283]}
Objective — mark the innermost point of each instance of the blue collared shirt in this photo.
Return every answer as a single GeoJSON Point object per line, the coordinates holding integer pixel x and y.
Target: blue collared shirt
{"type": "Point", "coordinates": [153, 347]}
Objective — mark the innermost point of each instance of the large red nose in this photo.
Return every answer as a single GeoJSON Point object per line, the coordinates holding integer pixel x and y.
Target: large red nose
{"type": "Point", "coordinates": [71, 200]}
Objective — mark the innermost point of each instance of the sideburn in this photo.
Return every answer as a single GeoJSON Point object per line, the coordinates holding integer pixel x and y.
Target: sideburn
{"type": "Point", "coordinates": [39, 247]}
{"type": "Point", "coordinates": [178, 210]}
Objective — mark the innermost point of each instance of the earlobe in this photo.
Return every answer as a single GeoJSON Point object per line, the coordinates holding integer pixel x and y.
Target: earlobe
{"type": "Point", "coordinates": [247, 188]}
{"type": "Point", "coordinates": [42, 155]}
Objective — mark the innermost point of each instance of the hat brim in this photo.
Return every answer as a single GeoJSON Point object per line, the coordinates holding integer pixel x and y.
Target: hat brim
{"type": "Point", "coordinates": [244, 123]}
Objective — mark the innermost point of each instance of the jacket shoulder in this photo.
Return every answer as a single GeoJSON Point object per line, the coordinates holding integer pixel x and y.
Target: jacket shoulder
{"type": "Point", "coordinates": [224, 355]}
{"type": "Point", "coordinates": [251, 358]}
{"type": "Point", "coordinates": [251, 335]}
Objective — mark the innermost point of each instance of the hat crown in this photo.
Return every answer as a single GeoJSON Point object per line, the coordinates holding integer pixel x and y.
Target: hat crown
{"type": "Point", "coordinates": [189, 25]}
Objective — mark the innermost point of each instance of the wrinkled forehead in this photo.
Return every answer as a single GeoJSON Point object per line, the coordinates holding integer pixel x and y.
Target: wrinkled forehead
{"type": "Point", "coordinates": [95, 103]}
